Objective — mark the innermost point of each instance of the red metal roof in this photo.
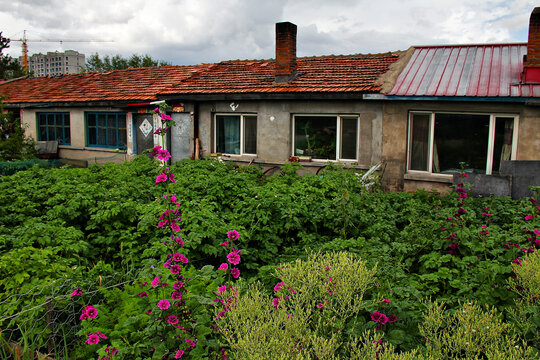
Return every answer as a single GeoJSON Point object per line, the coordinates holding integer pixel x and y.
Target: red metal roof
{"type": "Point", "coordinates": [337, 74]}
{"type": "Point", "coordinates": [465, 70]}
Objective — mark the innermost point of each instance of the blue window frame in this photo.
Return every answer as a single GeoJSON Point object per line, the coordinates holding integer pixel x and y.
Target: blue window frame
{"type": "Point", "coordinates": [54, 127]}
{"type": "Point", "coordinates": [105, 129]}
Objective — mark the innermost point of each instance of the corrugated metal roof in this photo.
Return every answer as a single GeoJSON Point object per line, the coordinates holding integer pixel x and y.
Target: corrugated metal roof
{"type": "Point", "coordinates": [465, 70]}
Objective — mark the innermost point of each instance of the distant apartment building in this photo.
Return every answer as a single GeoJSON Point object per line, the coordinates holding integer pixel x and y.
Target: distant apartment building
{"type": "Point", "coordinates": [55, 63]}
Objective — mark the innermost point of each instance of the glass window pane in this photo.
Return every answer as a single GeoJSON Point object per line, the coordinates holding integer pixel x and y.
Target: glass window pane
{"type": "Point", "coordinates": [460, 138]}
{"type": "Point", "coordinates": [315, 136]}
{"type": "Point", "coordinates": [349, 136]}
{"type": "Point", "coordinates": [504, 133]}
{"type": "Point", "coordinates": [250, 134]}
{"type": "Point", "coordinates": [67, 137]}
{"type": "Point", "coordinates": [102, 129]}
{"type": "Point", "coordinates": [122, 132]}
{"type": "Point", "coordinates": [419, 142]}
{"type": "Point", "coordinates": [228, 134]}
{"type": "Point", "coordinates": [111, 124]}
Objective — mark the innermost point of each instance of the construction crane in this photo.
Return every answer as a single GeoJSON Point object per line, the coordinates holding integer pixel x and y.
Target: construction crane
{"type": "Point", "coordinates": [25, 40]}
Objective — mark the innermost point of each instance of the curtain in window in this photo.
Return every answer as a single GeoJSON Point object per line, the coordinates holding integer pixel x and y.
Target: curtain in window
{"type": "Point", "coordinates": [506, 153]}
{"type": "Point", "coordinates": [231, 129]}
{"type": "Point", "coordinates": [420, 142]}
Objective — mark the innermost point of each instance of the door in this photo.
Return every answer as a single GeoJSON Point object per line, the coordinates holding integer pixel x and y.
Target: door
{"type": "Point", "coordinates": [143, 130]}
{"type": "Point", "coordinates": [181, 137]}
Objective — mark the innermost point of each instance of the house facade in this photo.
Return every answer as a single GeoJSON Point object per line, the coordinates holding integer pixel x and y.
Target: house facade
{"type": "Point", "coordinates": [421, 112]}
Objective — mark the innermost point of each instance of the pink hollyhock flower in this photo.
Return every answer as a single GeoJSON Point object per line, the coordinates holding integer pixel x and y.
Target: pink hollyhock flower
{"type": "Point", "coordinates": [76, 292]}
{"type": "Point", "coordinates": [83, 316]}
{"type": "Point", "coordinates": [392, 318]}
{"type": "Point", "coordinates": [178, 240]}
{"type": "Point", "coordinates": [101, 335]}
{"type": "Point", "coordinates": [223, 266]}
{"type": "Point", "coordinates": [179, 354]}
{"type": "Point", "coordinates": [225, 243]}
{"type": "Point", "coordinates": [155, 150]}
{"type": "Point", "coordinates": [157, 132]}
{"type": "Point", "coordinates": [221, 290]}
{"type": "Point", "coordinates": [320, 305]}
{"type": "Point", "coordinates": [528, 217]}
{"type": "Point", "coordinates": [163, 155]}
{"type": "Point", "coordinates": [171, 178]}
{"type": "Point", "coordinates": [385, 301]}
{"type": "Point", "coordinates": [235, 273]}
{"type": "Point", "coordinates": [190, 342]}
{"type": "Point", "coordinates": [278, 286]}
{"type": "Point", "coordinates": [275, 301]}
{"type": "Point", "coordinates": [173, 320]}
{"type": "Point", "coordinates": [91, 311]}
{"type": "Point", "coordinates": [165, 117]}
{"type": "Point", "coordinates": [175, 227]}
{"type": "Point", "coordinates": [327, 268]}
{"type": "Point", "coordinates": [161, 178]}
{"type": "Point", "coordinates": [379, 317]}
{"type": "Point", "coordinates": [156, 110]}
{"type": "Point", "coordinates": [233, 235]}
{"type": "Point", "coordinates": [234, 258]}
{"type": "Point", "coordinates": [517, 261]}
{"type": "Point", "coordinates": [537, 232]}
{"type": "Point", "coordinates": [155, 282]}
{"type": "Point", "coordinates": [175, 269]}
{"type": "Point", "coordinates": [176, 295]}
{"type": "Point", "coordinates": [142, 294]}
{"type": "Point", "coordinates": [163, 304]}
{"type": "Point", "coordinates": [180, 257]}
{"type": "Point", "coordinates": [92, 339]}
{"type": "Point", "coordinates": [178, 285]}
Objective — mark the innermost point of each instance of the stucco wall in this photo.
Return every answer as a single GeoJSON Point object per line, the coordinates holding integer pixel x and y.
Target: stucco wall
{"type": "Point", "coordinates": [394, 148]}
{"type": "Point", "coordinates": [78, 149]}
{"type": "Point", "coordinates": [274, 126]}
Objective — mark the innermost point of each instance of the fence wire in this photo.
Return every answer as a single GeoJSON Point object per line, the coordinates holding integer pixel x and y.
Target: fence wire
{"type": "Point", "coordinates": [47, 318]}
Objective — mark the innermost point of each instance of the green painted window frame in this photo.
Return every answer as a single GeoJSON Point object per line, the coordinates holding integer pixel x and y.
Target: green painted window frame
{"type": "Point", "coordinates": [51, 124]}
{"type": "Point", "coordinates": [115, 133]}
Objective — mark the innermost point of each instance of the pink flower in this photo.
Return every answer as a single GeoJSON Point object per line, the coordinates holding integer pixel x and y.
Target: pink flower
{"type": "Point", "coordinates": [163, 155]}
{"type": "Point", "coordinates": [235, 273]}
{"type": "Point", "coordinates": [379, 317]}
{"type": "Point", "coordinates": [225, 243]}
{"type": "Point", "coordinates": [90, 311]}
{"type": "Point", "coordinates": [223, 266]}
{"type": "Point", "coordinates": [92, 339]}
{"type": "Point", "coordinates": [537, 232]}
{"type": "Point", "coordinates": [278, 286]}
{"type": "Point", "coordinates": [176, 295]}
{"type": "Point", "coordinates": [221, 290]}
{"type": "Point", "coordinates": [178, 240]}
{"type": "Point", "coordinates": [155, 150]}
{"type": "Point", "coordinates": [156, 110]}
{"type": "Point", "coordinates": [233, 235]}
{"type": "Point", "coordinates": [83, 316]}
{"type": "Point", "coordinates": [165, 117]}
{"type": "Point", "coordinates": [161, 178]}
{"type": "Point", "coordinates": [320, 305]}
{"type": "Point", "coordinates": [234, 258]}
{"type": "Point", "coordinates": [327, 268]}
{"type": "Point", "coordinates": [101, 335]}
{"type": "Point", "coordinates": [190, 342]}
{"type": "Point", "coordinates": [155, 282]}
{"type": "Point", "coordinates": [178, 285]}
{"type": "Point", "coordinates": [142, 294]}
{"type": "Point", "coordinates": [179, 354]}
{"type": "Point", "coordinates": [175, 269]}
{"type": "Point", "coordinates": [180, 257]}
{"type": "Point", "coordinates": [392, 318]}
{"type": "Point", "coordinates": [385, 301]}
{"type": "Point", "coordinates": [163, 304]}
{"type": "Point", "coordinates": [517, 261]}
{"type": "Point", "coordinates": [175, 227]}
{"type": "Point", "coordinates": [528, 217]}
{"type": "Point", "coordinates": [275, 301]}
{"type": "Point", "coordinates": [76, 292]}
{"type": "Point", "coordinates": [173, 320]}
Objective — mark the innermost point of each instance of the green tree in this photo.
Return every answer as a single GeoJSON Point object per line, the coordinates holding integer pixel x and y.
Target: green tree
{"type": "Point", "coordinates": [14, 144]}
{"type": "Point", "coordinates": [117, 62]}
{"type": "Point", "coordinates": [9, 67]}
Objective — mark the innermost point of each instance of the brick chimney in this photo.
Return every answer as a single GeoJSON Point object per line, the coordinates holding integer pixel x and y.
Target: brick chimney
{"type": "Point", "coordinates": [285, 52]}
{"type": "Point", "coordinates": [531, 63]}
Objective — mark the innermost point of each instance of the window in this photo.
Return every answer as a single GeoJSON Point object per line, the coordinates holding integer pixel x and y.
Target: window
{"type": "Point", "coordinates": [440, 142]}
{"type": "Point", "coordinates": [236, 134]}
{"type": "Point", "coordinates": [326, 137]}
{"type": "Point", "coordinates": [54, 127]}
{"type": "Point", "coordinates": [106, 130]}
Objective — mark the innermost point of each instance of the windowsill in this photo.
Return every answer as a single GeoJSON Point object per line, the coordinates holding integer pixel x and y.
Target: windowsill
{"type": "Point", "coordinates": [88, 148]}
{"type": "Point", "coordinates": [422, 176]}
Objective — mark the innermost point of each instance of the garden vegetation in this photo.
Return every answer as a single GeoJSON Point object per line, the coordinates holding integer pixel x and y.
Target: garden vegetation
{"type": "Point", "coordinates": [328, 269]}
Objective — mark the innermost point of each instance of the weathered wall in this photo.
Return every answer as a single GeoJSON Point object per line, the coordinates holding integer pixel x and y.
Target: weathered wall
{"type": "Point", "coordinates": [274, 120]}
{"type": "Point", "coordinates": [394, 148]}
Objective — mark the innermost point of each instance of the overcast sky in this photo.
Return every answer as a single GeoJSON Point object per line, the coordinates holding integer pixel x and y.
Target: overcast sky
{"type": "Point", "coordinates": [196, 31]}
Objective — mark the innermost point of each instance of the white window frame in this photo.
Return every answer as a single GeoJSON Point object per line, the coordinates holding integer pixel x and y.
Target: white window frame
{"type": "Point", "coordinates": [491, 137]}
{"type": "Point", "coordinates": [242, 115]}
{"type": "Point", "coordinates": [339, 119]}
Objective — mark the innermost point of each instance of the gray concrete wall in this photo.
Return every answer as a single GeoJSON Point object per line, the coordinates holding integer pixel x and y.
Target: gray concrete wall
{"type": "Point", "coordinates": [274, 126]}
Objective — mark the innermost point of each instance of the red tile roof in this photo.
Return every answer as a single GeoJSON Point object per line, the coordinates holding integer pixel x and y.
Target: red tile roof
{"type": "Point", "coordinates": [465, 70]}
{"type": "Point", "coordinates": [337, 74]}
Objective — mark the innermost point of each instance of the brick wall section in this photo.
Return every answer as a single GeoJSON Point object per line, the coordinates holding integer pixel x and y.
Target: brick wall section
{"type": "Point", "coordinates": [533, 47]}
{"type": "Point", "coordinates": [285, 48]}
